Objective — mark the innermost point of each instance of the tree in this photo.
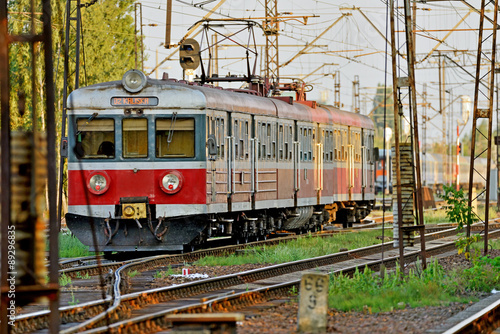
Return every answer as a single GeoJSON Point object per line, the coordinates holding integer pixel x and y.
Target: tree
{"type": "Point", "coordinates": [107, 51]}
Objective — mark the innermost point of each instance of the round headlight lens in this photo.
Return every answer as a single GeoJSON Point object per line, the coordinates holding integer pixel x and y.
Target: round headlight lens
{"type": "Point", "coordinates": [134, 81]}
{"type": "Point", "coordinates": [171, 182]}
{"type": "Point", "coordinates": [98, 184]}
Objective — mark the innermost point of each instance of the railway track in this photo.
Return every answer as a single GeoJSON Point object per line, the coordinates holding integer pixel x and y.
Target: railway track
{"type": "Point", "coordinates": [261, 288]}
{"type": "Point", "coordinates": [76, 268]}
{"type": "Point", "coordinates": [99, 313]}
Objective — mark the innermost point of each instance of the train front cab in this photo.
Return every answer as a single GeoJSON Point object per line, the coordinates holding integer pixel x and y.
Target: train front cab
{"type": "Point", "coordinates": [130, 170]}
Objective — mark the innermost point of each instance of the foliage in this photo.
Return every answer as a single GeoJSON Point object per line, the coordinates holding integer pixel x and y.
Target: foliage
{"type": "Point", "coordinates": [69, 246]}
{"type": "Point", "coordinates": [299, 249]}
{"type": "Point", "coordinates": [133, 273]}
{"type": "Point", "coordinates": [64, 280]}
{"type": "Point", "coordinates": [79, 275]}
{"type": "Point", "coordinates": [459, 211]}
{"type": "Point", "coordinates": [73, 302]}
{"type": "Point", "coordinates": [367, 290]}
{"type": "Point", "coordinates": [457, 208]}
{"type": "Point", "coordinates": [482, 276]}
{"type": "Point", "coordinates": [162, 274]}
{"type": "Point", "coordinates": [107, 51]}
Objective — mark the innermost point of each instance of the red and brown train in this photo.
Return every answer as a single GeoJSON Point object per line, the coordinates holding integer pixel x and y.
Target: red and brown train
{"type": "Point", "coordinates": [165, 165]}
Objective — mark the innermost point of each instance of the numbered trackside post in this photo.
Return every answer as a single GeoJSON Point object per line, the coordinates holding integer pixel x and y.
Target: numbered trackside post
{"type": "Point", "coordinates": [313, 303]}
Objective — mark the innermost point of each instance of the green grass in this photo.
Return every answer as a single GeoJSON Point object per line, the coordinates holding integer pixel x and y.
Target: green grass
{"type": "Point", "coordinates": [432, 287]}
{"type": "Point", "coordinates": [69, 246]}
{"type": "Point", "coordinates": [299, 249]}
{"type": "Point", "coordinates": [165, 273]}
{"type": "Point", "coordinates": [435, 217]}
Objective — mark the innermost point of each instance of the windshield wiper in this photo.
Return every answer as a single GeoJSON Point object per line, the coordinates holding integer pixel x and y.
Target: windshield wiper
{"type": "Point", "coordinates": [90, 119]}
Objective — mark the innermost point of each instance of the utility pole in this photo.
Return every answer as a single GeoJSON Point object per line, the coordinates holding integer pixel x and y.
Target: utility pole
{"type": "Point", "coordinates": [138, 12]}
{"type": "Point", "coordinates": [168, 26]}
{"type": "Point", "coordinates": [336, 91]}
{"type": "Point", "coordinates": [442, 102]}
{"type": "Point", "coordinates": [28, 164]}
{"type": "Point", "coordinates": [410, 83]}
{"type": "Point", "coordinates": [214, 62]}
{"type": "Point", "coordinates": [424, 134]}
{"type": "Point", "coordinates": [484, 90]}
{"type": "Point", "coordinates": [355, 95]}
{"type": "Point", "coordinates": [271, 30]}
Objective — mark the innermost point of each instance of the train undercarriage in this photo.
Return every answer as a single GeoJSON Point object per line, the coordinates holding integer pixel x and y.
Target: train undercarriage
{"type": "Point", "coordinates": [189, 232]}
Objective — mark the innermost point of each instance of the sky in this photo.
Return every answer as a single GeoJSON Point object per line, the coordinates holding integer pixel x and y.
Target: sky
{"type": "Point", "coordinates": [355, 47]}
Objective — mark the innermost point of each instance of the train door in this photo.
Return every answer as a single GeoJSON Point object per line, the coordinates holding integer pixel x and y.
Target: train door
{"type": "Point", "coordinates": [349, 158]}
{"type": "Point", "coordinates": [329, 180]}
{"type": "Point", "coordinates": [319, 161]}
{"type": "Point", "coordinates": [240, 185]}
{"type": "Point", "coordinates": [305, 164]}
{"type": "Point", "coordinates": [217, 167]}
{"type": "Point", "coordinates": [356, 164]}
{"type": "Point", "coordinates": [285, 168]}
{"type": "Point", "coordinates": [296, 163]}
{"type": "Point", "coordinates": [367, 164]}
{"type": "Point", "coordinates": [264, 163]}
{"type": "Point", "coordinates": [364, 164]}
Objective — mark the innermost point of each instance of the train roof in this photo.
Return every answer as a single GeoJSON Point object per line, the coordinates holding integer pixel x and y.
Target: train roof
{"type": "Point", "coordinates": [172, 94]}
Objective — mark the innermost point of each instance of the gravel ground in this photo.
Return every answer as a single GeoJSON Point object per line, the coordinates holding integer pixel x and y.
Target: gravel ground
{"type": "Point", "coordinates": [282, 317]}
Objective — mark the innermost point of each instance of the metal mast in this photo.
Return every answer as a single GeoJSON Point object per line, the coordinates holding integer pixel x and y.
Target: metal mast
{"type": "Point", "coordinates": [356, 105]}
{"type": "Point", "coordinates": [271, 30]}
{"type": "Point", "coordinates": [71, 69]}
{"type": "Point", "coordinates": [24, 219]}
{"type": "Point", "coordinates": [483, 107]}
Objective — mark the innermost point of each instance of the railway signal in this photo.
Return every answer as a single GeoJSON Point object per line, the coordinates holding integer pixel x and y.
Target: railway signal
{"type": "Point", "coordinates": [189, 55]}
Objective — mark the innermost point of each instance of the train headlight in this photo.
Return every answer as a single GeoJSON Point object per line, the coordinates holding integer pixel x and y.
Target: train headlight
{"type": "Point", "coordinates": [98, 183]}
{"type": "Point", "coordinates": [134, 81]}
{"type": "Point", "coordinates": [171, 182]}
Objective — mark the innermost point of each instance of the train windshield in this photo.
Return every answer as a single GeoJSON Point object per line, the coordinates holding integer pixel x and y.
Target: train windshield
{"type": "Point", "coordinates": [135, 138]}
{"type": "Point", "coordinates": [175, 138]}
{"type": "Point", "coordinates": [95, 138]}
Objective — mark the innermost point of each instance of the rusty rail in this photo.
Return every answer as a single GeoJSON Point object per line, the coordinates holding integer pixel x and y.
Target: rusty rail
{"type": "Point", "coordinates": [97, 309]}
{"type": "Point", "coordinates": [157, 321]}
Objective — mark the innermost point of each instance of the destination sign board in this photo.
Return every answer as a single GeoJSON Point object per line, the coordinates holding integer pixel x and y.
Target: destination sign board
{"type": "Point", "coordinates": [140, 101]}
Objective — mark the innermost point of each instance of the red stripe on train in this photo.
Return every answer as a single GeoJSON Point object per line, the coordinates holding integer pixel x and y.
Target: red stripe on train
{"type": "Point", "coordinates": [143, 183]}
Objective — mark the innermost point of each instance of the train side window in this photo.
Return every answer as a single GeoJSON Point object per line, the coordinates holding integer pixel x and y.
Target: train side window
{"type": "Point", "coordinates": [236, 137]}
{"type": "Point", "coordinates": [335, 144]}
{"type": "Point", "coordinates": [219, 135]}
{"type": "Point", "coordinates": [175, 139]}
{"type": "Point", "coordinates": [135, 138]}
{"type": "Point", "coordinates": [95, 139]}
{"type": "Point", "coordinates": [281, 142]}
{"type": "Point", "coordinates": [245, 141]}
{"type": "Point", "coordinates": [301, 140]}
{"type": "Point", "coordinates": [312, 140]}
{"type": "Point", "coordinates": [273, 140]}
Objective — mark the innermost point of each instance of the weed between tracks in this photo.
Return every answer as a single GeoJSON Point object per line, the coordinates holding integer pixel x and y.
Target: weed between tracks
{"type": "Point", "coordinates": [299, 249]}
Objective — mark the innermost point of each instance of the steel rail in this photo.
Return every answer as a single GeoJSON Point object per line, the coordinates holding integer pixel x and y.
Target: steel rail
{"type": "Point", "coordinates": [157, 321]}
{"type": "Point", "coordinates": [484, 321]}
{"type": "Point", "coordinates": [38, 320]}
